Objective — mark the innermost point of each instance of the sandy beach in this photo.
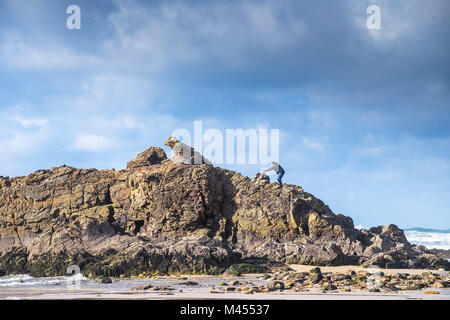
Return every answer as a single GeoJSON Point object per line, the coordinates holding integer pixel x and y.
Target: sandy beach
{"type": "Point", "coordinates": [199, 287]}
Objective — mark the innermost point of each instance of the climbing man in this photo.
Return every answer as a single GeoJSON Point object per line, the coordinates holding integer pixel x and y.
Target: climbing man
{"type": "Point", "coordinates": [278, 169]}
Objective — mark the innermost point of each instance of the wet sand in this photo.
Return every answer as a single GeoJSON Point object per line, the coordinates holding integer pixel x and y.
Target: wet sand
{"type": "Point", "coordinates": [122, 289]}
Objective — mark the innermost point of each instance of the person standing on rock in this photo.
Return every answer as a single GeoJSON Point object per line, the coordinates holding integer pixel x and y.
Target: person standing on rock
{"type": "Point", "coordinates": [278, 169]}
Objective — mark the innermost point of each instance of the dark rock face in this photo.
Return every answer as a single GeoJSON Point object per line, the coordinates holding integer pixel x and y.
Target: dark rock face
{"type": "Point", "coordinates": [163, 215]}
{"type": "Point", "coordinates": [441, 253]}
{"type": "Point", "coordinates": [153, 155]}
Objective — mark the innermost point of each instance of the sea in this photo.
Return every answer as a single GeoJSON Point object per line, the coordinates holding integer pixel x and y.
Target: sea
{"type": "Point", "coordinates": [430, 238]}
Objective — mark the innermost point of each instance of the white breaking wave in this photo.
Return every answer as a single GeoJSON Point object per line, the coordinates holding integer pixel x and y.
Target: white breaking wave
{"type": "Point", "coordinates": [432, 240]}
{"type": "Point", "coordinates": [19, 280]}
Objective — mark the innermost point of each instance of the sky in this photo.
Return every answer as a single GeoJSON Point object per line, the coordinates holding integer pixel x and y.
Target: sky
{"type": "Point", "coordinates": [364, 115]}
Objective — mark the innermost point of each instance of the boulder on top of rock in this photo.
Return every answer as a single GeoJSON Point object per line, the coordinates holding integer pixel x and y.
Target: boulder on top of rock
{"type": "Point", "coordinates": [182, 153]}
{"type": "Point", "coordinates": [151, 156]}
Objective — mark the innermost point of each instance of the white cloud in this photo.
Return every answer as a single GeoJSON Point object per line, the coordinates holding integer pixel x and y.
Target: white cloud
{"type": "Point", "coordinates": [317, 144]}
{"type": "Point", "coordinates": [321, 119]}
{"type": "Point", "coordinates": [31, 122]}
{"type": "Point", "coordinates": [17, 53]}
{"type": "Point", "coordinates": [17, 141]}
{"type": "Point", "coordinates": [372, 151]}
{"type": "Point", "coordinates": [93, 143]}
{"type": "Point", "coordinates": [175, 33]}
{"type": "Point", "coordinates": [22, 143]}
{"type": "Point", "coordinates": [111, 91]}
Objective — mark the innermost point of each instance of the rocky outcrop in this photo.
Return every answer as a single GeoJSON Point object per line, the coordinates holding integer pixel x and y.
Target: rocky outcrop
{"type": "Point", "coordinates": [442, 253]}
{"type": "Point", "coordinates": [169, 216]}
{"type": "Point", "coordinates": [151, 156]}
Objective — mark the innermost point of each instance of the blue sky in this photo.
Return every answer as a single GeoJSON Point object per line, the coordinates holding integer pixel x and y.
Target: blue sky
{"type": "Point", "coordinates": [364, 114]}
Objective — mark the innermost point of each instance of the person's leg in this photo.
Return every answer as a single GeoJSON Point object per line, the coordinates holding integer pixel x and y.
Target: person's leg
{"type": "Point", "coordinates": [280, 175]}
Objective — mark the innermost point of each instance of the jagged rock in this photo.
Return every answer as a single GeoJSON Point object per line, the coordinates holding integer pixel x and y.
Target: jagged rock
{"type": "Point", "coordinates": [188, 283]}
{"type": "Point", "coordinates": [261, 178]}
{"type": "Point", "coordinates": [276, 285]}
{"type": "Point", "coordinates": [316, 275]}
{"type": "Point", "coordinates": [169, 216]}
{"type": "Point", "coordinates": [330, 287]}
{"type": "Point", "coordinates": [151, 156]}
{"type": "Point", "coordinates": [145, 287]}
{"type": "Point", "coordinates": [105, 280]}
{"type": "Point", "coordinates": [441, 253]}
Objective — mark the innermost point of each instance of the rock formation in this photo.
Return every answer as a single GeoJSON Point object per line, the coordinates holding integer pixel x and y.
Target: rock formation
{"type": "Point", "coordinates": [166, 215]}
{"type": "Point", "coordinates": [182, 153]}
{"type": "Point", "coordinates": [441, 253]}
{"type": "Point", "coordinates": [153, 155]}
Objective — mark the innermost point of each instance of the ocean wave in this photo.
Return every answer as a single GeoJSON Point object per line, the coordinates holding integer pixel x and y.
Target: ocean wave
{"type": "Point", "coordinates": [428, 230]}
{"type": "Point", "coordinates": [432, 240]}
{"type": "Point", "coordinates": [19, 280]}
